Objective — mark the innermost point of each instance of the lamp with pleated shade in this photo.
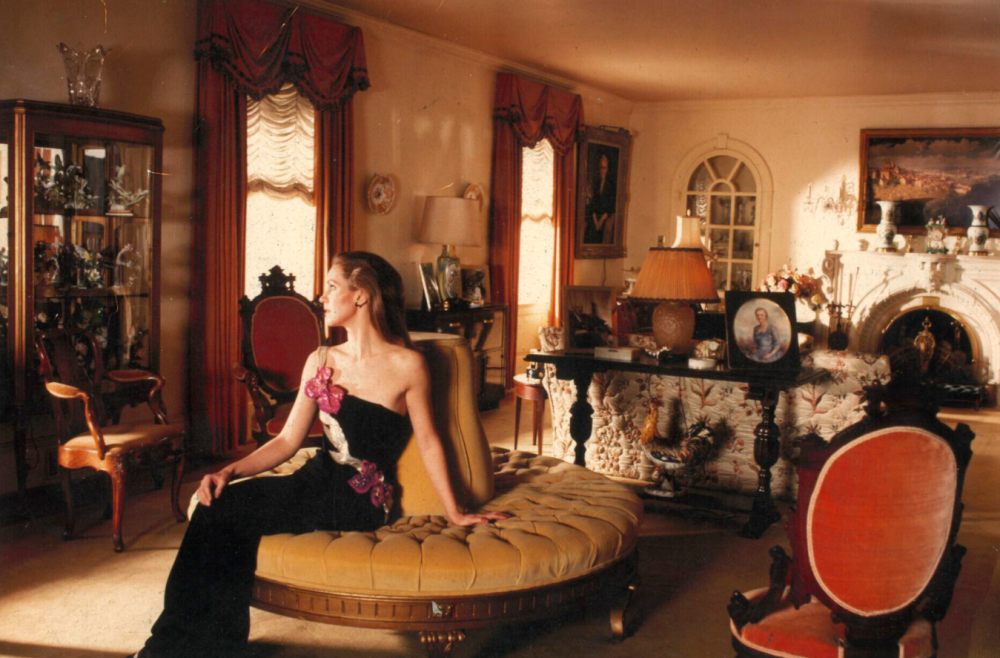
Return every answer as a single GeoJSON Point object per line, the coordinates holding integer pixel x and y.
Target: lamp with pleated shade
{"type": "Point", "coordinates": [678, 276]}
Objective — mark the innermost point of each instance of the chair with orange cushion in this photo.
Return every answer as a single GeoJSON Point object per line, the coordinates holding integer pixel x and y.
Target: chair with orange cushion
{"type": "Point", "coordinates": [281, 328]}
{"type": "Point", "coordinates": [86, 440]}
{"type": "Point", "coordinates": [873, 560]}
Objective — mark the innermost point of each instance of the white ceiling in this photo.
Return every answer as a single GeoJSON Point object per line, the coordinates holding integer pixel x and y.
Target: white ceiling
{"type": "Point", "coordinates": [668, 50]}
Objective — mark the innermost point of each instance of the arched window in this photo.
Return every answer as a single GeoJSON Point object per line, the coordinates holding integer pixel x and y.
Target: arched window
{"type": "Point", "coordinates": [730, 191]}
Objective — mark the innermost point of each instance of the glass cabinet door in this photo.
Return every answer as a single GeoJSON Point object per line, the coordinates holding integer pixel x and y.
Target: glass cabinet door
{"type": "Point", "coordinates": [92, 233]}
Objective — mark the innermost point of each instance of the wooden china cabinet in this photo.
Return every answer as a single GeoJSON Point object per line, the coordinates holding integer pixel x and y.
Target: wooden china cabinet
{"type": "Point", "coordinates": [80, 193]}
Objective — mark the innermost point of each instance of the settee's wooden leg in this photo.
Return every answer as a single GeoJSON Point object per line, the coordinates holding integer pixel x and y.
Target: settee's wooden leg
{"type": "Point", "coordinates": [440, 643]}
{"type": "Point", "coordinates": [625, 611]}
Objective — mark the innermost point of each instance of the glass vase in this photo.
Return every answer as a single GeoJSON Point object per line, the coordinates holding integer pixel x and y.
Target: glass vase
{"type": "Point", "coordinates": [83, 73]}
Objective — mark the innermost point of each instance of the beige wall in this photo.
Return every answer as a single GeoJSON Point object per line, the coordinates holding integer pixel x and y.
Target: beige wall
{"type": "Point", "coordinates": [807, 145]}
{"type": "Point", "coordinates": [427, 122]}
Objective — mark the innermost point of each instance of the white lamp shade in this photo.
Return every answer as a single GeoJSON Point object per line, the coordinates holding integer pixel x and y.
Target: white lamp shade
{"type": "Point", "coordinates": [451, 221]}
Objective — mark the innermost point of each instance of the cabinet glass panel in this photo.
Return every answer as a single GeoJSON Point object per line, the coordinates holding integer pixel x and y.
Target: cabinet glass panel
{"type": "Point", "coordinates": [4, 253]}
{"type": "Point", "coordinates": [92, 236]}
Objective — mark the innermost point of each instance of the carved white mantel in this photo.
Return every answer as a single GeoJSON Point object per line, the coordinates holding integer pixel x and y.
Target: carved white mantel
{"type": "Point", "coordinates": [887, 284]}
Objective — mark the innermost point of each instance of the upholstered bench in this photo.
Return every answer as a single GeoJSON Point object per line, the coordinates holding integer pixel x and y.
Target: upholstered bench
{"type": "Point", "coordinates": [571, 533]}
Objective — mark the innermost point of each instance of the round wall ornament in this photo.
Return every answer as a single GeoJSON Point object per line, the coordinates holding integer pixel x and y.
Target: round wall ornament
{"type": "Point", "coordinates": [381, 194]}
{"type": "Point", "coordinates": [475, 191]}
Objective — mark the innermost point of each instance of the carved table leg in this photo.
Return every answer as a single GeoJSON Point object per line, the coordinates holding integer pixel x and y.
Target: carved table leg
{"type": "Point", "coordinates": [581, 421]}
{"type": "Point", "coordinates": [440, 643]}
{"type": "Point", "coordinates": [766, 447]}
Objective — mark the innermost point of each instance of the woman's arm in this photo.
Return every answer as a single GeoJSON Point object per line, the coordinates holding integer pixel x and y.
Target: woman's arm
{"type": "Point", "coordinates": [418, 404]}
{"type": "Point", "coordinates": [276, 451]}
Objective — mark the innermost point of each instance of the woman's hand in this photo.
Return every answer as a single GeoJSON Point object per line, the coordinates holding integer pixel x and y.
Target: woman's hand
{"type": "Point", "coordinates": [212, 485]}
{"type": "Point", "coordinates": [475, 519]}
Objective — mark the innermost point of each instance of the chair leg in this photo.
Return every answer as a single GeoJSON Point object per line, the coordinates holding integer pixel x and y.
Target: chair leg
{"type": "Point", "coordinates": [68, 493]}
{"type": "Point", "coordinates": [540, 423]}
{"type": "Point", "coordinates": [175, 487]}
{"type": "Point", "coordinates": [517, 420]}
{"type": "Point", "coordinates": [117, 504]}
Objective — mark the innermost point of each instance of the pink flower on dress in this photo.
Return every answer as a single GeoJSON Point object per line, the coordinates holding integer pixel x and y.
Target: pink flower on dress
{"type": "Point", "coordinates": [327, 394]}
{"type": "Point", "coordinates": [369, 478]}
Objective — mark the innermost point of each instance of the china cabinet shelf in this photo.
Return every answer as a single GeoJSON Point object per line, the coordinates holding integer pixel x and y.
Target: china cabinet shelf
{"type": "Point", "coordinates": [79, 245]}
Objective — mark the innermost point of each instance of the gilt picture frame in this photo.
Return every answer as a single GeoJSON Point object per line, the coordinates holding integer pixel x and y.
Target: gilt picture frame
{"type": "Point", "coordinates": [602, 192]}
{"type": "Point", "coordinates": [930, 173]}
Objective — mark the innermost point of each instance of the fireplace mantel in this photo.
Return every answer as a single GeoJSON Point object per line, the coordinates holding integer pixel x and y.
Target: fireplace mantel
{"type": "Point", "coordinates": [881, 286]}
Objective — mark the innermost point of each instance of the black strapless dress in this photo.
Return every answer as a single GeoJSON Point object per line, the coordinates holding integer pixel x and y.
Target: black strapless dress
{"type": "Point", "coordinates": [348, 485]}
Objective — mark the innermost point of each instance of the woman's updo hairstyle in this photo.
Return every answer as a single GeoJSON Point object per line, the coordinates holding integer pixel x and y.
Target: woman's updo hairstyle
{"type": "Point", "coordinates": [373, 274]}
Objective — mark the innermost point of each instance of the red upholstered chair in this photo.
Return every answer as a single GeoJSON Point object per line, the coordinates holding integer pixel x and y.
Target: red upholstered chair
{"type": "Point", "coordinates": [873, 560]}
{"type": "Point", "coordinates": [281, 328]}
{"type": "Point", "coordinates": [72, 367]}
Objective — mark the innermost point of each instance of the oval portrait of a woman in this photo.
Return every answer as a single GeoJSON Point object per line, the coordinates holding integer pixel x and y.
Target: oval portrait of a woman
{"type": "Point", "coordinates": [763, 331]}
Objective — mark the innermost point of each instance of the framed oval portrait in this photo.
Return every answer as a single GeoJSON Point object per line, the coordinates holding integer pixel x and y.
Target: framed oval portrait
{"type": "Point", "coordinates": [760, 330]}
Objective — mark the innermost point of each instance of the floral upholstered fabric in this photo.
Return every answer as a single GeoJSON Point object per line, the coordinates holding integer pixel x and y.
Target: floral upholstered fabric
{"type": "Point", "coordinates": [621, 401]}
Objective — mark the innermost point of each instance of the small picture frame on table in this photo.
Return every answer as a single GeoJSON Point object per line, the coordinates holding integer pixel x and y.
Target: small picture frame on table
{"type": "Point", "coordinates": [588, 317]}
{"type": "Point", "coordinates": [476, 285]}
{"type": "Point", "coordinates": [761, 332]}
{"type": "Point", "coordinates": [432, 296]}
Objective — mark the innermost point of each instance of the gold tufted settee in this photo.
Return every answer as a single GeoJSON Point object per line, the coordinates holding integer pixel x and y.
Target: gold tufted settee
{"type": "Point", "coordinates": [571, 533]}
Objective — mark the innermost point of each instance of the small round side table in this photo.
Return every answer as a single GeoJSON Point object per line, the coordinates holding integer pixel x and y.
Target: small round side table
{"type": "Point", "coordinates": [530, 389]}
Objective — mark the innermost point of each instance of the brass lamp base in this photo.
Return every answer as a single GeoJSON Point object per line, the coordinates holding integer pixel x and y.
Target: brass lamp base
{"type": "Point", "coordinates": [673, 327]}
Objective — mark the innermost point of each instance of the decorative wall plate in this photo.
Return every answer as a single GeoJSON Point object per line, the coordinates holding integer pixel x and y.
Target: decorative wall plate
{"type": "Point", "coordinates": [381, 194]}
{"type": "Point", "coordinates": [475, 191]}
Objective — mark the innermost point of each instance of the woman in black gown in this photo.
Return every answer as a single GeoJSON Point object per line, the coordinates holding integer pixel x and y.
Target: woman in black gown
{"type": "Point", "coordinates": [371, 392]}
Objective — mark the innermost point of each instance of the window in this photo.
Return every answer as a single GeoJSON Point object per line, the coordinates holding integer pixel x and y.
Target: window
{"type": "Point", "coordinates": [536, 262]}
{"type": "Point", "coordinates": [723, 191]}
{"type": "Point", "coordinates": [281, 210]}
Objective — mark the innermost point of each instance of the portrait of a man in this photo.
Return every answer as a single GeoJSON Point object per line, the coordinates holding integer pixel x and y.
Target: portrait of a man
{"type": "Point", "coordinates": [602, 192]}
{"type": "Point", "coordinates": [602, 199]}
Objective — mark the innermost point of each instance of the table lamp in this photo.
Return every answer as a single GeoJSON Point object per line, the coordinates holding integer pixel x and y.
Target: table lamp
{"type": "Point", "coordinates": [450, 221]}
{"type": "Point", "coordinates": [677, 276]}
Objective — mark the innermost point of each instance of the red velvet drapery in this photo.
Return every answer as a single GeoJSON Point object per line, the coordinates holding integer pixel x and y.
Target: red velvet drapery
{"type": "Point", "coordinates": [524, 113]}
{"type": "Point", "coordinates": [251, 48]}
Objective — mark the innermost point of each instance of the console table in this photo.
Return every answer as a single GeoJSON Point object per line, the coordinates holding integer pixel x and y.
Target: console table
{"type": "Point", "coordinates": [763, 387]}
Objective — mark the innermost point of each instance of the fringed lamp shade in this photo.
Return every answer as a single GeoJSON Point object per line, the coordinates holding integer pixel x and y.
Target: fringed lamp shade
{"type": "Point", "coordinates": [678, 277]}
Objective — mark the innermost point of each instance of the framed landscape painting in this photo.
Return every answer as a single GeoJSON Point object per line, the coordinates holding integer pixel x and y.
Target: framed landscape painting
{"type": "Point", "coordinates": [930, 173]}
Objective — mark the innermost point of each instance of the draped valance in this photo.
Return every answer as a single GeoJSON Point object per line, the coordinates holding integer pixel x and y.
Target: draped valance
{"type": "Point", "coordinates": [536, 111]}
{"type": "Point", "coordinates": [261, 46]}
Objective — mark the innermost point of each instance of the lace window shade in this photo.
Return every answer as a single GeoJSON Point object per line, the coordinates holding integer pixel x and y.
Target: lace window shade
{"type": "Point", "coordinates": [537, 257]}
{"type": "Point", "coordinates": [281, 211]}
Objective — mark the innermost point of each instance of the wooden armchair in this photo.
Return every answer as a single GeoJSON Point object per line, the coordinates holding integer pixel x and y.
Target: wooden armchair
{"type": "Point", "coordinates": [873, 560]}
{"type": "Point", "coordinates": [85, 438]}
{"type": "Point", "coordinates": [281, 328]}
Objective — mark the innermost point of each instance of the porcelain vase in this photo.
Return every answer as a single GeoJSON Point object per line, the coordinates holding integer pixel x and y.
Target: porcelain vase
{"type": "Point", "coordinates": [886, 230]}
{"type": "Point", "coordinates": [978, 231]}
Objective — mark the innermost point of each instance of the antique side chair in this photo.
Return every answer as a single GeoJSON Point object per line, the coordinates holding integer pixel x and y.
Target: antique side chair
{"type": "Point", "coordinates": [71, 366]}
{"type": "Point", "coordinates": [281, 328]}
{"type": "Point", "coordinates": [874, 559]}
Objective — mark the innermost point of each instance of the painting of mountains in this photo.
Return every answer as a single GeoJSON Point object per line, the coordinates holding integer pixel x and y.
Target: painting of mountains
{"type": "Point", "coordinates": [930, 173]}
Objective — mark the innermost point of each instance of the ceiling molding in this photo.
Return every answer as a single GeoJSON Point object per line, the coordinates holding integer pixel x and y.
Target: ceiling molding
{"type": "Point", "coordinates": [902, 100]}
{"type": "Point", "coordinates": [375, 26]}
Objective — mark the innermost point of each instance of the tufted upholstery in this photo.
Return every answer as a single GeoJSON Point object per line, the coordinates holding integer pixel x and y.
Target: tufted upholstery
{"type": "Point", "coordinates": [621, 401]}
{"type": "Point", "coordinates": [565, 521]}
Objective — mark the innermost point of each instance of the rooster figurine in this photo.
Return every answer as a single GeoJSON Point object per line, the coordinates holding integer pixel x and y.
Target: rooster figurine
{"type": "Point", "coordinates": [691, 449]}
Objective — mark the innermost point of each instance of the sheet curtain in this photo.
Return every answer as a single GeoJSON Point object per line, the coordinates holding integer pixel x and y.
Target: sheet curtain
{"type": "Point", "coordinates": [251, 48]}
{"type": "Point", "coordinates": [524, 113]}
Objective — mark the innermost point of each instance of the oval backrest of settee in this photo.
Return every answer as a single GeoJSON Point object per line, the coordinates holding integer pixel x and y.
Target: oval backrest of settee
{"type": "Point", "coordinates": [456, 416]}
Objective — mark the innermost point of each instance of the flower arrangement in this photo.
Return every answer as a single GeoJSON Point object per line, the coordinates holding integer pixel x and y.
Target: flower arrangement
{"type": "Point", "coordinates": [806, 287]}
{"type": "Point", "coordinates": [62, 185]}
{"type": "Point", "coordinates": [120, 198]}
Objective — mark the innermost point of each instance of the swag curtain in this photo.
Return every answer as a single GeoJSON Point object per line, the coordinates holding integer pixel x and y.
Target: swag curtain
{"type": "Point", "coordinates": [524, 113]}
{"type": "Point", "coordinates": [250, 48]}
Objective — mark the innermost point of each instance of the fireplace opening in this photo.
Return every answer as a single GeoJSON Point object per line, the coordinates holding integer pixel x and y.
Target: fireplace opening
{"type": "Point", "coordinates": [937, 347]}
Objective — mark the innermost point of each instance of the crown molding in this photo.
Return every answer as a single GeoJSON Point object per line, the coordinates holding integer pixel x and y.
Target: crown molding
{"type": "Point", "coordinates": [897, 100]}
{"type": "Point", "coordinates": [377, 27]}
